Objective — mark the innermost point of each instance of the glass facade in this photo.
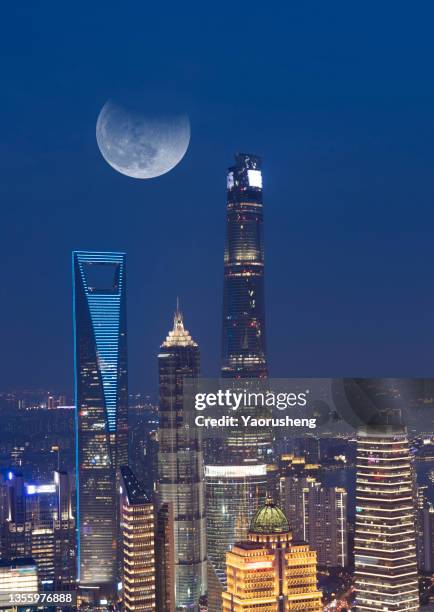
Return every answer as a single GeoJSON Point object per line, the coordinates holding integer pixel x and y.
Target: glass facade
{"type": "Point", "coordinates": [39, 524]}
{"type": "Point", "coordinates": [385, 534]}
{"type": "Point", "coordinates": [243, 353]}
{"type": "Point", "coordinates": [232, 497]}
{"type": "Point", "coordinates": [232, 493]}
{"type": "Point", "coordinates": [101, 411]}
{"type": "Point", "coordinates": [180, 467]}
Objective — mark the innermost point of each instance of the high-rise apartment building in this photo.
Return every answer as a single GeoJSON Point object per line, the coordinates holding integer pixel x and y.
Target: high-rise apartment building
{"type": "Point", "coordinates": [236, 466]}
{"type": "Point", "coordinates": [269, 571]}
{"type": "Point", "coordinates": [101, 413]}
{"type": "Point", "coordinates": [138, 545]}
{"type": "Point", "coordinates": [385, 534]}
{"type": "Point", "coordinates": [318, 516]}
{"type": "Point", "coordinates": [180, 466]}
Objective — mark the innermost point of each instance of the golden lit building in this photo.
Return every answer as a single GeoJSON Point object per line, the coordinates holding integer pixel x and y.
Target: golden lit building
{"type": "Point", "coordinates": [268, 572]}
{"type": "Point", "coordinates": [138, 547]}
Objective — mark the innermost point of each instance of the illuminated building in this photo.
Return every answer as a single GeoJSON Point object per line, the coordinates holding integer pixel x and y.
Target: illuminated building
{"type": "Point", "coordinates": [318, 515]}
{"type": "Point", "coordinates": [425, 531]}
{"type": "Point", "coordinates": [138, 546]}
{"type": "Point", "coordinates": [101, 413]}
{"type": "Point", "coordinates": [233, 491]}
{"type": "Point", "coordinates": [180, 466]}
{"type": "Point", "coordinates": [18, 576]}
{"type": "Point", "coordinates": [385, 542]}
{"type": "Point", "coordinates": [243, 351]}
{"type": "Point", "coordinates": [39, 524]}
{"type": "Point", "coordinates": [165, 558]}
{"type": "Point", "coordinates": [15, 531]}
{"type": "Point", "coordinates": [236, 468]}
{"type": "Point", "coordinates": [269, 572]}
{"type": "Point", "coordinates": [52, 528]}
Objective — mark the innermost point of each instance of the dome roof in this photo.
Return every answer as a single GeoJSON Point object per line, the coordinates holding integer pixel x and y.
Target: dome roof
{"type": "Point", "coordinates": [269, 519]}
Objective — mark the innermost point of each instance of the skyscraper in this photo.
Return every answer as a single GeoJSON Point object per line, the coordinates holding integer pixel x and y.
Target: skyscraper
{"type": "Point", "coordinates": [39, 524]}
{"type": "Point", "coordinates": [180, 466]}
{"type": "Point", "coordinates": [269, 571]}
{"type": "Point", "coordinates": [385, 538]}
{"type": "Point", "coordinates": [101, 411]}
{"type": "Point", "coordinates": [425, 531]}
{"type": "Point", "coordinates": [236, 467]}
{"type": "Point", "coordinates": [318, 516]}
{"type": "Point", "coordinates": [138, 545]}
{"type": "Point", "coordinates": [52, 532]}
{"type": "Point", "coordinates": [165, 558]}
{"type": "Point", "coordinates": [243, 350]}
{"type": "Point", "coordinates": [15, 536]}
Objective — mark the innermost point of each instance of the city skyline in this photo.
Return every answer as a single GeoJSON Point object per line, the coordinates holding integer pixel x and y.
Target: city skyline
{"type": "Point", "coordinates": [269, 170]}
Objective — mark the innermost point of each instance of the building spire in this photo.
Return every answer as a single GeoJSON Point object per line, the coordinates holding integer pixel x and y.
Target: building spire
{"type": "Point", "coordinates": [179, 336]}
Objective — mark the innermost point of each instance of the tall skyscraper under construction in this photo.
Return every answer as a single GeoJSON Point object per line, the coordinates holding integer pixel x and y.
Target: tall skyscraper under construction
{"type": "Point", "coordinates": [101, 413]}
{"type": "Point", "coordinates": [236, 473]}
{"type": "Point", "coordinates": [180, 487]}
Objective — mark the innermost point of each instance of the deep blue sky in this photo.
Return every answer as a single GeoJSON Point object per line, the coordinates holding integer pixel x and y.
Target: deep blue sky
{"type": "Point", "coordinates": [337, 98]}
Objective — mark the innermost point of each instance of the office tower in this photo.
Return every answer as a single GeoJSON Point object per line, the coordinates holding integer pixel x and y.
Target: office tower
{"type": "Point", "coordinates": [318, 516]}
{"type": "Point", "coordinates": [232, 492]}
{"type": "Point", "coordinates": [138, 546]}
{"type": "Point", "coordinates": [385, 538]}
{"type": "Point", "coordinates": [236, 466]}
{"type": "Point", "coordinates": [101, 412]}
{"type": "Point", "coordinates": [243, 351]}
{"type": "Point", "coordinates": [65, 553]}
{"type": "Point", "coordinates": [14, 529]}
{"type": "Point", "coordinates": [52, 532]}
{"type": "Point", "coordinates": [180, 465]}
{"type": "Point", "coordinates": [269, 571]}
{"type": "Point", "coordinates": [40, 525]}
{"type": "Point", "coordinates": [165, 558]}
{"type": "Point", "coordinates": [425, 531]}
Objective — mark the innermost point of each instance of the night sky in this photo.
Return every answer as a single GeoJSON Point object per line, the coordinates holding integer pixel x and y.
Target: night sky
{"type": "Point", "coordinates": [338, 100]}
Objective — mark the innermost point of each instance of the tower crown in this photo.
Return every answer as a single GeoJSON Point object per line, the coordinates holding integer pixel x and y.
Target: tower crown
{"type": "Point", "coordinates": [269, 519]}
{"type": "Point", "coordinates": [178, 336]}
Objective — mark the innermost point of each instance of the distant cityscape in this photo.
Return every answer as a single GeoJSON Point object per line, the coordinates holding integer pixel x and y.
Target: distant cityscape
{"type": "Point", "coordinates": [112, 497]}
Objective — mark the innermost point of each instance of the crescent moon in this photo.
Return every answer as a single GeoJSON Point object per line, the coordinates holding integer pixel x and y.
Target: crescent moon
{"type": "Point", "coordinates": [139, 146]}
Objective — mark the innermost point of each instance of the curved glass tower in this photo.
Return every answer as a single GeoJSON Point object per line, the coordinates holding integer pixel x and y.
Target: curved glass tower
{"type": "Point", "coordinates": [180, 468]}
{"type": "Point", "coordinates": [101, 411]}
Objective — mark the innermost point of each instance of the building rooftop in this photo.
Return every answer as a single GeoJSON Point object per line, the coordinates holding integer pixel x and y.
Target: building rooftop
{"type": "Point", "coordinates": [133, 489]}
{"type": "Point", "coordinates": [269, 519]}
{"type": "Point", "coordinates": [179, 336]}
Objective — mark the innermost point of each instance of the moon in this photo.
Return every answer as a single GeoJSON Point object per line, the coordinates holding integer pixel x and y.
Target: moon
{"type": "Point", "coordinates": [138, 145]}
